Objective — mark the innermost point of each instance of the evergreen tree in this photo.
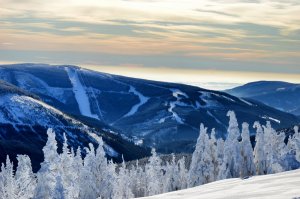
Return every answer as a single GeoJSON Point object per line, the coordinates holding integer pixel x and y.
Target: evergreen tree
{"type": "Point", "coordinates": [24, 178]}
{"type": "Point", "coordinates": [259, 152]}
{"type": "Point", "coordinates": [201, 168]}
{"type": "Point", "coordinates": [46, 176]}
{"type": "Point", "coordinates": [154, 173]}
{"type": "Point", "coordinates": [231, 162]}
{"type": "Point", "coordinates": [247, 164]}
{"type": "Point", "coordinates": [7, 181]}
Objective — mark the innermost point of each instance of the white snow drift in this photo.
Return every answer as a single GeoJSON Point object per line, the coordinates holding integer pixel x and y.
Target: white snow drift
{"type": "Point", "coordinates": [285, 185]}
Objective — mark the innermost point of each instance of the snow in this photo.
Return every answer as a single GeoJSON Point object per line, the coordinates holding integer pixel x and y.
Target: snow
{"type": "Point", "coordinates": [223, 96]}
{"type": "Point", "coordinates": [143, 100]}
{"type": "Point", "coordinates": [271, 118]}
{"type": "Point", "coordinates": [276, 186]}
{"type": "Point", "coordinates": [18, 109]}
{"type": "Point", "coordinates": [80, 94]}
{"type": "Point", "coordinates": [246, 102]}
{"type": "Point", "coordinates": [280, 89]}
{"type": "Point", "coordinates": [206, 97]}
{"type": "Point", "coordinates": [110, 151]}
{"type": "Point", "coordinates": [32, 83]}
{"type": "Point", "coordinates": [216, 119]}
{"type": "Point", "coordinates": [177, 94]}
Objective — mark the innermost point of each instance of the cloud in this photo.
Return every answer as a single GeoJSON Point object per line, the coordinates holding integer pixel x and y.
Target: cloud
{"type": "Point", "coordinates": [237, 31]}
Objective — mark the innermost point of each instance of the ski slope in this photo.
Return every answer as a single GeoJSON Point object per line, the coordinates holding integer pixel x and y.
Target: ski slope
{"type": "Point", "coordinates": [80, 94]}
{"type": "Point", "coordinates": [142, 100]}
{"type": "Point", "coordinates": [285, 185]}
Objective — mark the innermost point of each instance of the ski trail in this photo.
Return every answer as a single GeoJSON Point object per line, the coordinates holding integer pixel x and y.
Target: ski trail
{"type": "Point", "coordinates": [176, 93]}
{"type": "Point", "coordinates": [95, 99]}
{"type": "Point", "coordinates": [142, 98]}
{"type": "Point", "coordinates": [80, 94]}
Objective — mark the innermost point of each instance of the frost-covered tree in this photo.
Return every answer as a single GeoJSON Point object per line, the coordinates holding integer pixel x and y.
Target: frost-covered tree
{"type": "Point", "coordinates": [213, 144]}
{"type": "Point", "coordinates": [231, 162]}
{"type": "Point", "coordinates": [97, 175]}
{"type": "Point", "coordinates": [294, 144]}
{"type": "Point", "coordinates": [297, 142]}
{"type": "Point", "coordinates": [138, 180]}
{"type": "Point", "coordinates": [59, 189]}
{"type": "Point", "coordinates": [7, 181]}
{"type": "Point", "coordinates": [69, 171]}
{"type": "Point", "coordinates": [25, 180]}
{"type": "Point", "coordinates": [275, 149]}
{"type": "Point", "coordinates": [154, 175]}
{"type": "Point", "coordinates": [259, 152]}
{"type": "Point", "coordinates": [46, 176]}
{"type": "Point", "coordinates": [123, 182]}
{"type": "Point", "coordinates": [201, 168]}
{"type": "Point", "coordinates": [182, 178]}
{"type": "Point", "coordinates": [247, 159]}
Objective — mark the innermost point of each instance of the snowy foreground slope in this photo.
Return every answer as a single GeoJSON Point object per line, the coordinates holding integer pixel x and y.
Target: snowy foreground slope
{"type": "Point", "coordinates": [281, 185]}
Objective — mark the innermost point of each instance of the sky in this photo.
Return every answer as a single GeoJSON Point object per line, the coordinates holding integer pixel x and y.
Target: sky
{"type": "Point", "coordinates": [217, 44]}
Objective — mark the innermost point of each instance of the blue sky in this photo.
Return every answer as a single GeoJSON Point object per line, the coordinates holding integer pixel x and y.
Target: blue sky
{"type": "Point", "coordinates": [242, 36]}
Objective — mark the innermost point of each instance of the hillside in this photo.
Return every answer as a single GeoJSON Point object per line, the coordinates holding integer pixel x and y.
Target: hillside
{"type": "Point", "coordinates": [155, 114]}
{"type": "Point", "coordinates": [276, 186]}
{"type": "Point", "coordinates": [281, 95]}
{"type": "Point", "coordinates": [24, 120]}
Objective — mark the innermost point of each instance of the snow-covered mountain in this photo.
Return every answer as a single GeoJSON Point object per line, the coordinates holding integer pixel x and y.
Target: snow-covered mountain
{"type": "Point", "coordinates": [163, 115]}
{"type": "Point", "coordinates": [281, 185]}
{"type": "Point", "coordinates": [281, 95]}
{"type": "Point", "coordinates": [24, 120]}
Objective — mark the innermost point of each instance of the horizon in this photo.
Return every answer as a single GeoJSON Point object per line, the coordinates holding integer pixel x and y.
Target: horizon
{"type": "Point", "coordinates": [208, 79]}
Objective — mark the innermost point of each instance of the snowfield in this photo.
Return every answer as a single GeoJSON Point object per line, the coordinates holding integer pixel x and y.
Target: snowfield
{"type": "Point", "coordinates": [80, 94]}
{"type": "Point", "coordinates": [285, 185]}
{"type": "Point", "coordinates": [143, 100]}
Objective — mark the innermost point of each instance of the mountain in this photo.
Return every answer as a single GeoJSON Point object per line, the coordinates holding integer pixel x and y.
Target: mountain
{"type": "Point", "coordinates": [275, 186]}
{"type": "Point", "coordinates": [24, 120]}
{"type": "Point", "coordinates": [153, 114]}
{"type": "Point", "coordinates": [281, 95]}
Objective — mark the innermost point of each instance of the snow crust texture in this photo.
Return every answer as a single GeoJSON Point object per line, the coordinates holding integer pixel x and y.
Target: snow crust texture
{"type": "Point", "coordinates": [285, 185]}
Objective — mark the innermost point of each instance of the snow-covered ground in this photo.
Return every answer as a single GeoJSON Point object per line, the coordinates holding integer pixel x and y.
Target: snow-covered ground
{"type": "Point", "coordinates": [270, 118]}
{"type": "Point", "coordinates": [285, 185]}
{"type": "Point", "coordinates": [142, 99]}
{"type": "Point", "coordinates": [177, 94]}
{"type": "Point", "coordinates": [80, 94]}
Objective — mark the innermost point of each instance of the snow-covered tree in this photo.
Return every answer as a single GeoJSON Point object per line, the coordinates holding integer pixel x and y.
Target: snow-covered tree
{"type": "Point", "coordinates": [182, 178]}
{"type": "Point", "coordinates": [231, 162]}
{"type": "Point", "coordinates": [154, 175]}
{"type": "Point", "coordinates": [259, 152]}
{"type": "Point", "coordinates": [201, 168]}
{"type": "Point", "coordinates": [247, 159]}
{"type": "Point", "coordinates": [7, 181]}
{"type": "Point", "coordinates": [46, 176]}
{"type": "Point", "coordinates": [123, 182]}
{"type": "Point", "coordinates": [25, 180]}
{"type": "Point", "coordinates": [138, 180]}
{"type": "Point", "coordinates": [294, 143]}
{"type": "Point", "coordinates": [213, 144]}
{"type": "Point", "coordinates": [274, 149]}
{"type": "Point", "coordinates": [297, 142]}
{"type": "Point", "coordinates": [69, 172]}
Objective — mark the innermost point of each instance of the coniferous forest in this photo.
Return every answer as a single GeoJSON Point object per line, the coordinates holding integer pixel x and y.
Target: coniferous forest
{"type": "Point", "coordinates": [87, 173]}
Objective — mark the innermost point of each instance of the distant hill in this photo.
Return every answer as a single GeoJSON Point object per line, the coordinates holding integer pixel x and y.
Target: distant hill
{"type": "Point", "coordinates": [24, 120]}
{"type": "Point", "coordinates": [152, 114]}
{"type": "Point", "coordinates": [281, 95]}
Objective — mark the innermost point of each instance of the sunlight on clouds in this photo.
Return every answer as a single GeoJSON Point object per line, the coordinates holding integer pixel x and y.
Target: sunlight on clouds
{"type": "Point", "coordinates": [211, 79]}
{"type": "Point", "coordinates": [240, 31]}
